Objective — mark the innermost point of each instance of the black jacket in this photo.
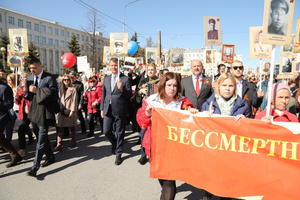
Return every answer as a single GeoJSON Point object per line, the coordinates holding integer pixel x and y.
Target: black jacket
{"type": "Point", "coordinates": [6, 102]}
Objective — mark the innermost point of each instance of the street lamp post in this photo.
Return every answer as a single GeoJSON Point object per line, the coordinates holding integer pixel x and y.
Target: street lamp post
{"type": "Point", "coordinates": [124, 22]}
{"type": "Point", "coordinates": [3, 50]}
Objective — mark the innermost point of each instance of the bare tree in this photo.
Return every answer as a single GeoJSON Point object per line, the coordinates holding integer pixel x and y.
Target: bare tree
{"type": "Point", "coordinates": [93, 29]}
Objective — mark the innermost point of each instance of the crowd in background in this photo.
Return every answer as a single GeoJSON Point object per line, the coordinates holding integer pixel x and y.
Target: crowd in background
{"type": "Point", "coordinates": [33, 102]}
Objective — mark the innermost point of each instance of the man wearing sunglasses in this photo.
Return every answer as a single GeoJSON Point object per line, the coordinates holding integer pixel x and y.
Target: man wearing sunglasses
{"type": "Point", "coordinates": [116, 94]}
{"type": "Point", "coordinates": [245, 89]}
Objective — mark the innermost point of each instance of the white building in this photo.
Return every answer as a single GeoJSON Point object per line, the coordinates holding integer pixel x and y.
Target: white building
{"type": "Point", "coordinates": [50, 38]}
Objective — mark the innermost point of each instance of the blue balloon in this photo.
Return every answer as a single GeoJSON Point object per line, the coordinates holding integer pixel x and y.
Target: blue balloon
{"type": "Point", "coordinates": [132, 47]}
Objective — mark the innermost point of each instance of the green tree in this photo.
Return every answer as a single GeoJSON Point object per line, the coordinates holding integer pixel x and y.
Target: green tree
{"type": "Point", "coordinates": [4, 41]}
{"type": "Point", "coordinates": [33, 53]}
{"type": "Point", "coordinates": [75, 49]}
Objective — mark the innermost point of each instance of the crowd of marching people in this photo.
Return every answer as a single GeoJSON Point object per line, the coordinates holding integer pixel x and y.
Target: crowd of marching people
{"type": "Point", "coordinates": [36, 101]}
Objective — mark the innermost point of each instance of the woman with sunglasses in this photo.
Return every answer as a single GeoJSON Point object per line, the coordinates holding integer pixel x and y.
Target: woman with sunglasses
{"type": "Point", "coordinates": [67, 117]}
{"type": "Point", "coordinates": [92, 97]}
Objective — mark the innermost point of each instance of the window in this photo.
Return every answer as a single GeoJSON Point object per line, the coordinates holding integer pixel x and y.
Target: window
{"type": "Point", "coordinates": [43, 28]}
{"type": "Point", "coordinates": [30, 37]}
{"type": "Point", "coordinates": [50, 30]}
{"type": "Point", "coordinates": [37, 39]}
{"type": "Point", "coordinates": [56, 31]}
{"type": "Point", "coordinates": [68, 33]}
{"type": "Point", "coordinates": [28, 25]}
{"type": "Point", "coordinates": [62, 33]}
{"type": "Point", "coordinates": [11, 20]}
{"type": "Point", "coordinates": [82, 37]}
{"type": "Point", "coordinates": [62, 43]}
{"type": "Point", "coordinates": [20, 23]}
{"type": "Point", "coordinates": [56, 43]}
{"type": "Point", "coordinates": [87, 38]}
{"type": "Point", "coordinates": [37, 27]}
{"type": "Point", "coordinates": [1, 31]}
{"type": "Point", "coordinates": [44, 39]}
{"type": "Point", "coordinates": [50, 41]}
{"type": "Point", "coordinates": [78, 36]}
{"type": "Point", "coordinates": [0, 17]}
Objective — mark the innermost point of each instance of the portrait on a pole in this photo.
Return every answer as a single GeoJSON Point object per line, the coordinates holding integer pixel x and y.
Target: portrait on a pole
{"type": "Point", "coordinates": [297, 37]}
{"type": "Point", "coordinates": [176, 57]}
{"type": "Point", "coordinates": [106, 55]}
{"type": "Point", "coordinates": [212, 31]}
{"type": "Point", "coordinates": [18, 42]}
{"type": "Point", "coordinates": [151, 54]}
{"type": "Point", "coordinates": [288, 50]}
{"type": "Point", "coordinates": [266, 67]}
{"type": "Point", "coordinates": [258, 50]}
{"type": "Point", "coordinates": [286, 65]}
{"type": "Point", "coordinates": [277, 23]}
{"type": "Point", "coordinates": [118, 44]}
{"type": "Point", "coordinates": [210, 57]}
{"type": "Point", "coordinates": [227, 53]}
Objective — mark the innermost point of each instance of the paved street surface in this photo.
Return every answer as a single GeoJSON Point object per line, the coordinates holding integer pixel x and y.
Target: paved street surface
{"type": "Point", "coordinates": [86, 172]}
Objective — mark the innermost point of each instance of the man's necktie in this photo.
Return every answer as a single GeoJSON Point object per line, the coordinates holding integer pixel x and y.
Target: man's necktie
{"type": "Point", "coordinates": [36, 83]}
{"type": "Point", "coordinates": [197, 86]}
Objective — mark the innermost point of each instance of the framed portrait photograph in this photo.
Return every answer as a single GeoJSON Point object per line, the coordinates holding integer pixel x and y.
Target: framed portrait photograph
{"type": "Point", "coordinates": [106, 55]}
{"type": "Point", "coordinates": [258, 50]}
{"type": "Point", "coordinates": [139, 61]}
{"type": "Point", "coordinates": [151, 54]}
{"type": "Point", "coordinates": [227, 53]}
{"type": "Point", "coordinates": [288, 50]}
{"type": "Point", "coordinates": [297, 37]}
{"type": "Point", "coordinates": [18, 42]}
{"type": "Point", "coordinates": [210, 57]}
{"type": "Point", "coordinates": [212, 31]}
{"type": "Point", "coordinates": [266, 67]}
{"type": "Point", "coordinates": [278, 19]}
{"type": "Point", "coordinates": [176, 57]}
{"type": "Point", "coordinates": [286, 65]}
{"type": "Point", "coordinates": [118, 44]}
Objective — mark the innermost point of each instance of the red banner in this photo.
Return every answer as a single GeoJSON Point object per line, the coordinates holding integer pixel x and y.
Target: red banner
{"type": "Point", "coordinates": [226, 157]}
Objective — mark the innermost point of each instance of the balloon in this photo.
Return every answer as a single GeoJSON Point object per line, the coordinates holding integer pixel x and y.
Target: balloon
{"type": "Point", "coordinates": [132, 47]}
{"type": "Point", "coordinates": [68, 59]}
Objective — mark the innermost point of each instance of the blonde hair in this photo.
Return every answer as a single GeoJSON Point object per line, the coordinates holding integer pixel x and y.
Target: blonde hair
{"type": "Point", "coordinates": [12, 77]}
{"type": "Point", "coordinates": [221, 79]}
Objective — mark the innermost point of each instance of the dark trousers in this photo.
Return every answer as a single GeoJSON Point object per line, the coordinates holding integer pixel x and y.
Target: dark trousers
{"type": "Point", "coordinates": [7, 145]}
{"type": "Point", "coordinates": [142, 133]}
{"type": "Point", "coordinates": [91, 119]}
{"type": "Point", "coordinates": [168, 189]}
{"type": "Point", "coordinates": [82, 121]}
{"type": "Point", "coordinates": [114, 130]}
{"type": "Point", "coordinates": [23, 130]}
{"type": "Point", "coordinates": [42, 147]}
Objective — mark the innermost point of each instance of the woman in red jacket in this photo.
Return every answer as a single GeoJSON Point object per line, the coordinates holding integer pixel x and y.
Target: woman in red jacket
{"type": "Point", "coordinates": [168, 97]}
{"type": "Point", "coordinates": [92, 97]}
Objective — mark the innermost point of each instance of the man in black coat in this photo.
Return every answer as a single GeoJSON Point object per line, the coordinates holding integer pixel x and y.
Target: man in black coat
{"type": "Point", "coordinates": [116, 93]}
{"type": "Point", "coordinates": [6, 103]}
{"type": "Point", "coordinates": [41, 88]}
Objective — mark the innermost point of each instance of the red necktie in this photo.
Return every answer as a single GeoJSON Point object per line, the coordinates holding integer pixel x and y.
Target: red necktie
{"type": "Point", "coordinates": [197, 86]}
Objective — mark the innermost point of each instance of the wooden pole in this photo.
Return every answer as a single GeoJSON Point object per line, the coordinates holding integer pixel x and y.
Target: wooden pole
{"type": "Point", "coordinates": [270, 83]}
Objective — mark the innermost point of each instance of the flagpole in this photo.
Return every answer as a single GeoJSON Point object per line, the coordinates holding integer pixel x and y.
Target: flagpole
{"type": "Point", "coordinates": [260, 73]}
{"type": "Point", "coordinates": [270, 83]}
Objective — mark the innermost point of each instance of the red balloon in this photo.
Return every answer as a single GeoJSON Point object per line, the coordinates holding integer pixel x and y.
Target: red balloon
{"type": "Point", "coordinates": [68, 59]}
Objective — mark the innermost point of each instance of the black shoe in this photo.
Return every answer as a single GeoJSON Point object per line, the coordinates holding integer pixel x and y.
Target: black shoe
{"type": "Point", "coordinates": [14, 161]}
{"type": "Point", "coordinates": [32, 173]}
{"type": "Point", "coordinates": [48, 162]}
{"type": "Point", "coordinates": [118, 160]}
{"type": "Point", "coordinates": [143, 160]}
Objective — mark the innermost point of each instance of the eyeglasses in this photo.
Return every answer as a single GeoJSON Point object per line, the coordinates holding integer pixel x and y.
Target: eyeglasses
{"type": "Point", "coordinates": [238, 67]}
{"type": "Point", "coordinates": [66, 79]}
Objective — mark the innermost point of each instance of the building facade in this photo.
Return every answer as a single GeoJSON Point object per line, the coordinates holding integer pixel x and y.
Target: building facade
{"type": "Point", "coordinates": [51, 38]}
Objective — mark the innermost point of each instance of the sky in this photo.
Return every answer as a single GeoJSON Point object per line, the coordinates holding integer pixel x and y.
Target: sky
{"type": "Point", "coordinates": [180, 22]}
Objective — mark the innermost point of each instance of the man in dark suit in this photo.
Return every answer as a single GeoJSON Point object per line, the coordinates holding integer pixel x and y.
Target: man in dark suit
{"type": "Point", "coordinates": [196, 87]}
{"type": "Point", "coordinates": [41, 88]}
{"type": "Point", "coordinates": [6, 103]}
{"type": "Point", "coordinates": [246, 90]}
{"type": "Point", "coordinates": [116, 93]}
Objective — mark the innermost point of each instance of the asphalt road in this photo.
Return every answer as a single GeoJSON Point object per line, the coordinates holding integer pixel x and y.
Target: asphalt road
{"type": "Point", "coordinates": [86, 172]}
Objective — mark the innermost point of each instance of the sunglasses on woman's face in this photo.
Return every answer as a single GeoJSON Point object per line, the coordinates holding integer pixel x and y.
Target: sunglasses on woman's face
{"type": "Point", "coordinates": [66, 79]}
{"type": "Point", "coordinates": [238, 67]}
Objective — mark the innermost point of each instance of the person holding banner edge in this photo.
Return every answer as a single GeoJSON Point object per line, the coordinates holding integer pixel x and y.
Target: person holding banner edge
{"type": "Point", "coordinates": [168, 97]}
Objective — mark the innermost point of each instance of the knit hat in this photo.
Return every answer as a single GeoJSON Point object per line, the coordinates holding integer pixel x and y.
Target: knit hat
{"type": "Point", "coordinates": [278, 86]}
